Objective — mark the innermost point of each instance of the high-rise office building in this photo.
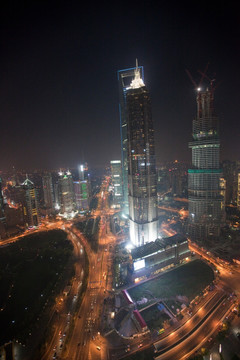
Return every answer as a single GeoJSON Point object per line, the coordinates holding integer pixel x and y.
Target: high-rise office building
{"type": "Point", "coordinates": [223, 186]}
{"type": "Point", "coordinates": [177, 175]}
{"type": "Point", "coordinates": [30, 205]}
{"type": "Point", "coordinates": [81, 195]}
{"type": "Point", "coordinates": [205, 200]}
{"type": "Point", "coordinates": [142, 177]}
{"type": "Point", "coordinates": [124, 80]}
{"type": "Point", "coordinates": [231, 170]}
{"type": "Point", "coordinates": [116, 174]}
{"type": "Point", "coordinates": [48, 192]}
{"type": "Point", "coordinates": [66, 194]}
{"type": "Point", "coordinates": [81, 172]}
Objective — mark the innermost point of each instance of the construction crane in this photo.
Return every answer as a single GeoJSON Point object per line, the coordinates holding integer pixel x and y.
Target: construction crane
{"type": "Point", "coordinates": [198, 86]}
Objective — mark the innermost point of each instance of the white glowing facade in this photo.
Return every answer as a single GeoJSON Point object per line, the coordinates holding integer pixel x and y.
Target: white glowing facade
{"type": "Point", "coordinates": [66, 195]}
{"type": "Point", "coordinates": [142, 177]}
{"type": "Point", "coordinates": [116, 173]}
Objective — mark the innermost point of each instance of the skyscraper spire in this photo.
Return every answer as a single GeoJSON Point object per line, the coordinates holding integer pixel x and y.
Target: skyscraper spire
{"type": "Point", "coordinates": [137, 82]}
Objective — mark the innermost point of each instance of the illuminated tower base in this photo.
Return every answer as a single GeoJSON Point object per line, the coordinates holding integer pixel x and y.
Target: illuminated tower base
{"type": "Point", "coordinates": [141, 234]}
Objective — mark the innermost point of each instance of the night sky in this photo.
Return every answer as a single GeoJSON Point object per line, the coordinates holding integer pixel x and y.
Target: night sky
{"type": "Point", "coordinates": [58, 76]}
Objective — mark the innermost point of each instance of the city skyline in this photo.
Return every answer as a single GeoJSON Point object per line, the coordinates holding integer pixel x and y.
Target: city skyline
{"type": "Point", "coordinates": [58, 90]}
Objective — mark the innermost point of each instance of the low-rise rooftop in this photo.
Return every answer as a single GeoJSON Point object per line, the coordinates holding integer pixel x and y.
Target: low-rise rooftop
{"type": "Point", "coordinates": [156, 246]}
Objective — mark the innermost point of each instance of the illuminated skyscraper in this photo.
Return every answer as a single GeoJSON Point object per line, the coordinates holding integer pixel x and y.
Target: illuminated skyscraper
{"type": "Point", "coordinates": [66, 194]}
{"type": "Point", "coordinates": [142, 177]}
{"type": "Point", "coordinates": [81, 172]}
{"type": "Point", "coordinates": [81, 195]}
{"type": "Point", "coordinates": [124, 79]}
{"type": "Point", "coordinates": [204, 195]}
{"type": "Point", "coordinates": [116, 173]}
{"type": "Point", "coordinates": [30, 205]}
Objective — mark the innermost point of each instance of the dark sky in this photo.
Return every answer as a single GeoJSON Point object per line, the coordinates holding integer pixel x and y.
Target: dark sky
{"type": "Point", "coordinates": [58, 82]}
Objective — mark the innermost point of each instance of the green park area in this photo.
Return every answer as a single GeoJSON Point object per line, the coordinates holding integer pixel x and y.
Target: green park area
{"type": "Point", "coordinates": [31, 273]}
{"type": "Point", "coordinates": [154, 317]}
{"type": "Point", "coordinates": [180, 285]}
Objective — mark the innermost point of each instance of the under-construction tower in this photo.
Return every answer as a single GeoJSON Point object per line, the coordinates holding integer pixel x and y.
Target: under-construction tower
{"type": "Point", "coordinates": [205, 200]}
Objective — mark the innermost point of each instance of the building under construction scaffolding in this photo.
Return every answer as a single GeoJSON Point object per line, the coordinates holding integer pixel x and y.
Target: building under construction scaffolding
{"type": "Point", "coordinates": [204, 192]}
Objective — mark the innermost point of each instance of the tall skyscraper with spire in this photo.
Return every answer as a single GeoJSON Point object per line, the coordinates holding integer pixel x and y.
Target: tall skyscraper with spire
{"type": "Point", "coordinates": [204, 192]}
{"type": "Point", "coordinates": [124, 80]}
{"type": "Point", "coordinates": [142, 177]}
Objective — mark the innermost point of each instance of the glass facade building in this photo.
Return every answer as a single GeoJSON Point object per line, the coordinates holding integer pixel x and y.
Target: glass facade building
{"type": "Point", "coordinates": [30, 207]}
{"type": "Point", "coordinates": [142, 177]}
{"type": "Point", "coordinates": [116, 174]}
{"type": "Point", "coordinates": [124, 80]}
{"type": "Point", "coordinates": [48, 191]}
{"type": "Point", "coordinates": [81, 195]}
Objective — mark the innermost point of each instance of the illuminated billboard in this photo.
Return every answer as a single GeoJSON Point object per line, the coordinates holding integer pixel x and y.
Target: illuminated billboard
{"type": "Point", "coordinates": [139, 264]}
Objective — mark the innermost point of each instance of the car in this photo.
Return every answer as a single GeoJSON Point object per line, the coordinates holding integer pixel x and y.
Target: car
{"type": "Point", "coordinates": [98, 348]}
{"type": "Point", "coordinates": [140, 345]}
